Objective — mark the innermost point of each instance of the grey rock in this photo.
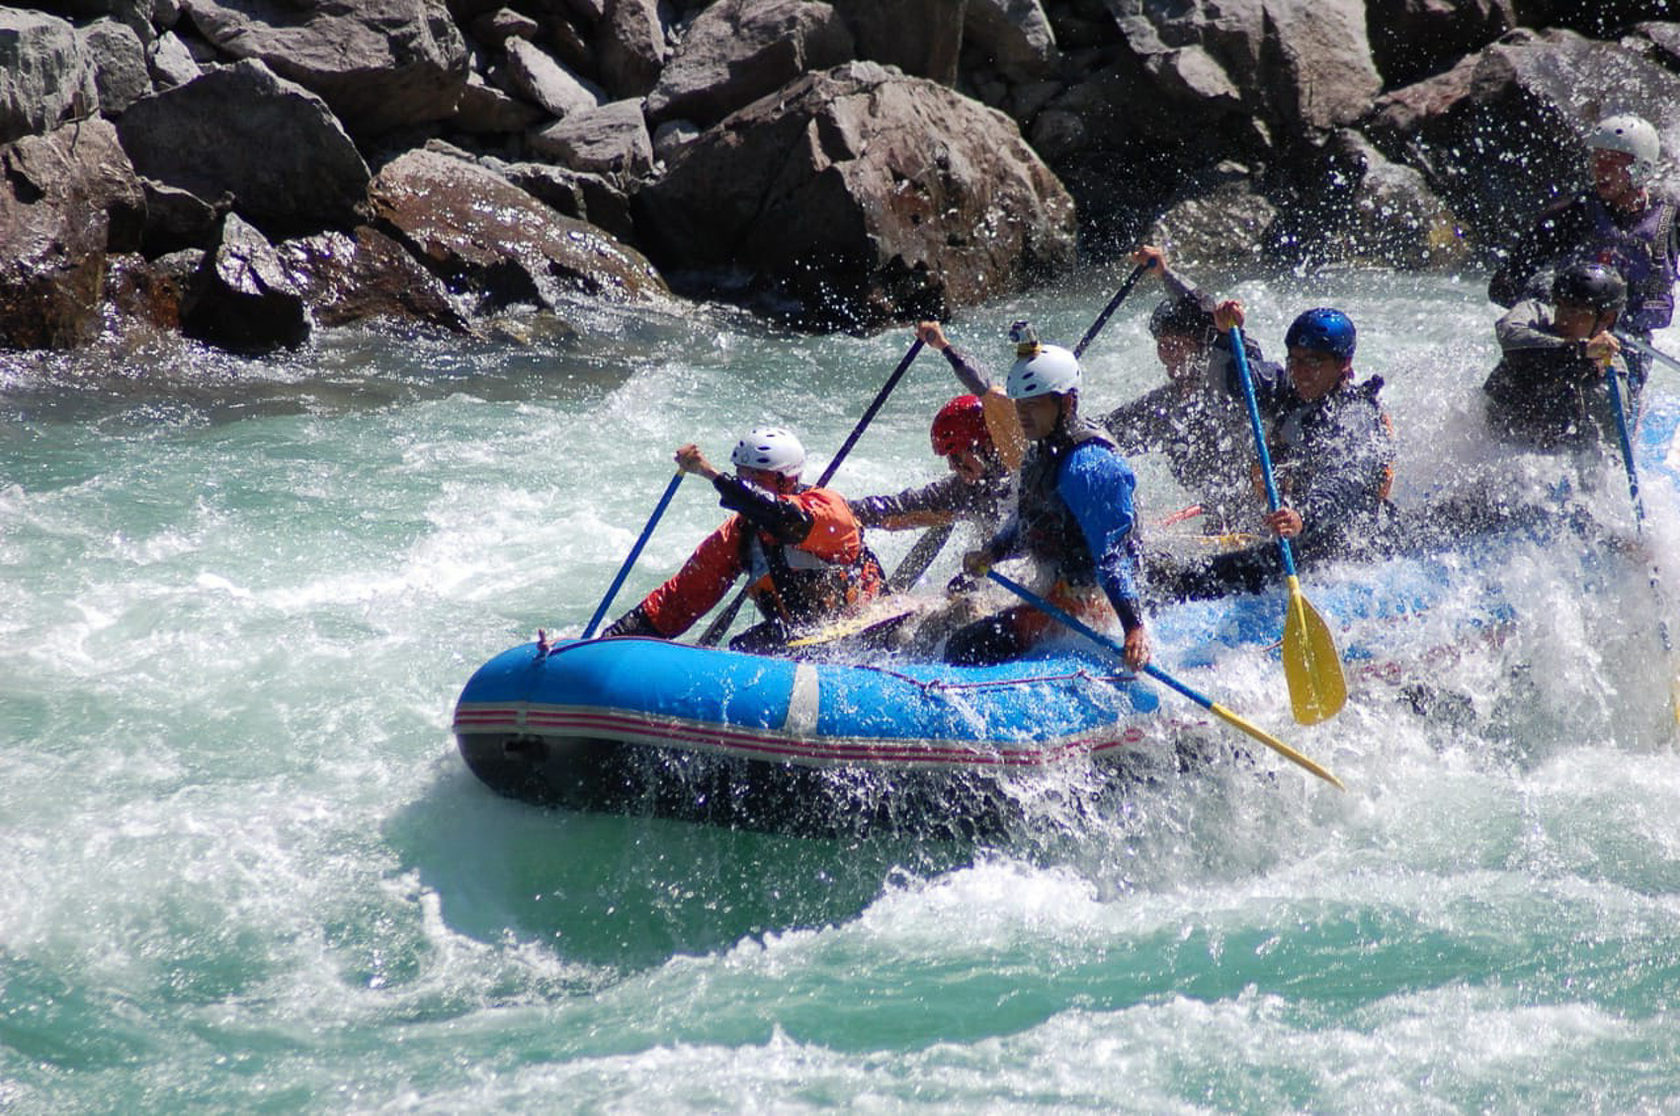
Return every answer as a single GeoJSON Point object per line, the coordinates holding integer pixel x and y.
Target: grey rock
{"type": "Point", "coordinates": [630, 46]}
{"type": "Point", "coordinates": [1357, 207]}
{"type": "Point", "coordinates": [482, 235]}
{"type": "Point", "coordinates": [380, 64]}
{"type": "Point", "coordinates": [1502, 133]}
{"type": "Point", "coordinates": [118, 59]}
{"type": "Point", "coordinates": [354, 277]}
{"type": "Point", "coordinates": [178, 219]}
{"type": "Point", "coordinates": [611, 140]}
{"type": "Point", "coordinates": [72, 195]}
{"type": "Point", "coordinates": [170, 62]}
{"type": "Point", "coordinates": [736, 51]}
{"type": "Point", "coordinates": [45, 78]}
{"type": "Point", "coordinates": [671, 137]}
{"type": "Point", "coordinates": [271, 144]}
{"type": "Point", "coordinates": [1412, 39]}
{"type": "Point", "coordinates": [1219, 222]}
{"type": "Point", "coordinates": [1013, 37]}
{"type": "Point", "coordinates": [923, 38]}
{"type": "Point", "coordinates": [495, 28]}
{"type": "Point", "coordinates": [587, 197]}
{"type": "Point", "coordinates": [485, 109]}
{"type": "Point", "coordinates": [545, 82]}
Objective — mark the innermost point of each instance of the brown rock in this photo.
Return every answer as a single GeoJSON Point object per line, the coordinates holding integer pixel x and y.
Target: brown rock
{"type": "Point", "coordinates": [482, 234]}
{"type": "Point", "coordinates": [864, 196]}
{"type": "Point", "coordinates": [349, 278]}
{"type": "Point", "coordinates": [58, 195]}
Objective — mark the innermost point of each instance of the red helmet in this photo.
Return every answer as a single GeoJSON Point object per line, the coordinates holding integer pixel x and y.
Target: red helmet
{"type": "Point", "coordinates": [960, 425]}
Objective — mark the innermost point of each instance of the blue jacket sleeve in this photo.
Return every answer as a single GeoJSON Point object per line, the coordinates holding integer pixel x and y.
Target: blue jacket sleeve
{"type": "Point", "coordinates": [1097, 486]}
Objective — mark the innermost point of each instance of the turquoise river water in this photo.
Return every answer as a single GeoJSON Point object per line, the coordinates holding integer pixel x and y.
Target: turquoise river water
{"type": "Point", "coordinates": [242, 867]}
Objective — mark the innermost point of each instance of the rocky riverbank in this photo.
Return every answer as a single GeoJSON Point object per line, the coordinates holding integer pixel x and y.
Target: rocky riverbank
{"type": "Point", "coordinates": [244, 171]}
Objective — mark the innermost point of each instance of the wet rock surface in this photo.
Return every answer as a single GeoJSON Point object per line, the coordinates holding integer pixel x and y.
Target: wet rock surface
{"type": "Point", "coordinates": [843, 163]}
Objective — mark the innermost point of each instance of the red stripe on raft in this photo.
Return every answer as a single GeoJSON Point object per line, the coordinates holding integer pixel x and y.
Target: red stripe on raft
{"type": "Point", "coordinates": [719, 738]}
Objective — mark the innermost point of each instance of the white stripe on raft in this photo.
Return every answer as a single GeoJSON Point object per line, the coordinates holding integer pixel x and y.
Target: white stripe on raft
{"type": "Point", "coordinates": [803, 698]}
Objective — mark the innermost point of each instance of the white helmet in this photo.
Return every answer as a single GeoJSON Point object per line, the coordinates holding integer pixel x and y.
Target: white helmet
{"type": "Point", "coordinates": [1043, 370]}
{"type": "Point", "coordinates": [1632, 135]}
{"type": "Point", "coordinates": [771, 448]}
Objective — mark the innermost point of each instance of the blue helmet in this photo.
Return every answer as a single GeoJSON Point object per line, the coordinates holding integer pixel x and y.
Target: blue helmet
{"type": "Point", "coordinates": [1323, 330]}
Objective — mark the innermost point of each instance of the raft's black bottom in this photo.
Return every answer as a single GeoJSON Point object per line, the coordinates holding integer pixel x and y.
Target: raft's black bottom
{"type": "Point", "coordinates": [602, 776]}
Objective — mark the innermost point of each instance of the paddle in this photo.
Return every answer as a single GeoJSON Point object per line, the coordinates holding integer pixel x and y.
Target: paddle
{"type": "Point", "coordinates": [921, 556]}
{"type": "Point", "coordinates": [727, 617]}
{"type": "Point", "coordinates": [635, 552]}
{"type": "Point", "coordinates": [1166, 679]}
{"type": "Point", "coordinates": [1311, 665]}
{"type": "Point", "coordinates": [1615, 389]}
{"type": "Point", "coordinates": [1649, 350]}
{"type": "Point", "coordinates": [1113, 305]}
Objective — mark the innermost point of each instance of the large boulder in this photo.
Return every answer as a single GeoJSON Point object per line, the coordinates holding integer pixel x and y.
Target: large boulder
{"type": "Point", "coordinates": [921, 37]}
{"type": "Point", "coordinates": [483, 108]}
{"type": "Point", "coordinates": [1504, 132]}
{"type": "Point", "coordinates": [45, 78]}
{"type": "Point", "coordinates": [347, 278]}
{"type": "Point", "coordinates": [736, 51]}
{"type": "Point", "coordinates": [864, 196]}
{"type": "Point", "coordinates": [587, 197]}
{"type": "Point", "coordinates": [137, 15]}
{"type": "Point", "coordinates": [1195, 83]}
{"type": "Point", "coordinates": [241, 298]}
{"type": "Point", "coordinates": [170, 62]}
{"type": "Point", "coordinates": [1413, 39]}
{"type": "Point", "coordinates": [272, 145]}
{"type": "Point", "coordinates": [1219, 220]}
{"type": "Point", "coordinates": [481, 234]}
{"type": "Point", "coordinates": [61, 197]}
{"type": "Point", "coordinates": [380, 64]}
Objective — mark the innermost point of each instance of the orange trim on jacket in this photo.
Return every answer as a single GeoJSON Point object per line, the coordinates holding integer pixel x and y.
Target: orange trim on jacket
{"type": "Point", "coordinates": [835, 540]}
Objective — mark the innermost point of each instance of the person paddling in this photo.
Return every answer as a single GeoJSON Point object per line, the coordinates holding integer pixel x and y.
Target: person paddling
{"type": "Point", "coordinates": [1075, 517]}
{"type": "Point", "coordinates": [801, 548]}
{"type": "Point", "coordinates": [980, 439]}
{"type": "Point", "coordinates": [1191, 419]}
{"type": "Point", "coordinates": [1623, 220]}
{"type": "Point", "coordinates": [1331, 444]}
{"type": "Point", "coordinates": [1548, 390]}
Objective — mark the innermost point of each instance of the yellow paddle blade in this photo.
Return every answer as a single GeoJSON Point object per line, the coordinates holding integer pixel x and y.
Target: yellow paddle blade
{"type": "Point", "coordinates": [1274, 744]}
{"type": "Point", "coordinates": [1311, 664]}
{"type": "Point", "coordinates": [855, 625]}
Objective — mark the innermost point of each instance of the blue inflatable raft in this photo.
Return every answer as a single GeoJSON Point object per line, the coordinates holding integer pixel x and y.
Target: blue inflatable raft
{"type": "Point", "coordinates": [649, 727]}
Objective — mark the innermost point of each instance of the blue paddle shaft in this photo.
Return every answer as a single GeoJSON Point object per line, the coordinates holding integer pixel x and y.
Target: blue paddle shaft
{"type": "Point", "coordinates": [1241, 357]}
{"type": "Point", "coordinates": [635, 552]}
